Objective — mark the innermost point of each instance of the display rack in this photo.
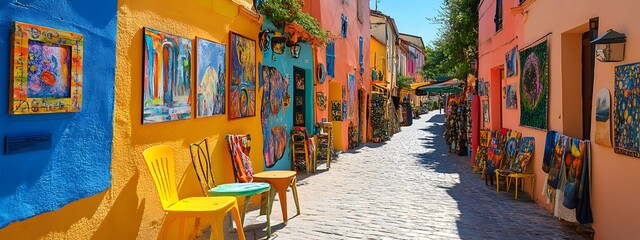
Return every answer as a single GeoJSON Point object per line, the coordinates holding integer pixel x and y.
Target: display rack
{"type": "Point", "coordinates": [324, 143]}
{"type": "Point", "coordinates": [300, 150]}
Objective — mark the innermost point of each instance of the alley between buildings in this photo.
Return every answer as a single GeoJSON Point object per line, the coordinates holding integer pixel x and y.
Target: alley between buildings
{"type": "Point", "coordinates": [409, 188]}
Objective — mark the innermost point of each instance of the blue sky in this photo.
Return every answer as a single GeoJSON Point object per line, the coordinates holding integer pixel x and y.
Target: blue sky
{"type": "Point", "coordinates": [411, 16]}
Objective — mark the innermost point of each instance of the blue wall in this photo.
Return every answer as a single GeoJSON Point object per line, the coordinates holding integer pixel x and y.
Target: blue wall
{"type": "Point", "coordinates": [284, 63]}
{"type": "Point", "coordinates": [78, 163]}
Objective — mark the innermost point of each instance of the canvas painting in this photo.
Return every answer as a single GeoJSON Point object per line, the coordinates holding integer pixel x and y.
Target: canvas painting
{"type": "Point", "coordinates": [534, 86]}
{"type": "Point", "coordinates": [480, 88]}
{"type": "Point", "coordinates": [511, 62]}
{"type": "Point", "coordinates": [336, 110]}
{"type": "Point", "coordinates": [487, 89]}
{"type": "Point", "coordinates": [167, 77]}
{"type": "Point", "coordinates": [351, 96]}
{"type": "Point", "coordinates": [626, 116]}
{"type": "Point", "coordinates": [512, 99]}
{"type": "Point", "coordinates": [485, 111]}
{"type": "Point", "coordinates": [242, 87]}
{"type": "Point", "coordinates": [46, 70]}
{"type": "Point", "coordinates": [603, 118]}
{"type": "Point", "coordinates": [211, 74]}
{"type": "Point", "coordinates": [273, 109]}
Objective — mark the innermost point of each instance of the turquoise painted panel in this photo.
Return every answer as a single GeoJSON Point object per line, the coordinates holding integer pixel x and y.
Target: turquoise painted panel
{"type": "Point", "coordinates": [77, 165]}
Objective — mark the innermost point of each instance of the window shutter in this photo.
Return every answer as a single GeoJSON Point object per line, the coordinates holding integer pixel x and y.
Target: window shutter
{"type": "Point", "coordinates": [331, 59]}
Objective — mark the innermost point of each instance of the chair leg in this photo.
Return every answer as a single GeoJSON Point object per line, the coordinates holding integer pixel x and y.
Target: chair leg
{"type": "Point", "coordinates": [269, 207]}
{"type": "Point", "coordinates": [517, 180]}
{"type": "Point", "coordinates": [294, 189]}
{"type": "Point", "coordinates": [282, 195]}
{"type": "Point", "coordinates": [181, 232]}
{"type": "Point", "coordinates": [237, 219]}
{"type": "Point", "coordinates": [168, 221]}
{"type": "Point", "coordinates": [217, 231]}
{"type": "Point", "coordinates": [243, 209]}
{"type": "Point", "coordinates": [497, 183]}
{"type": "Point", "coordinates": [533, 184]}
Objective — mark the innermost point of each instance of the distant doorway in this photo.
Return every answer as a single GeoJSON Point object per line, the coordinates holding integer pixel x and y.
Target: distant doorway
{"type": "Point", "coordinates": [587, 76]}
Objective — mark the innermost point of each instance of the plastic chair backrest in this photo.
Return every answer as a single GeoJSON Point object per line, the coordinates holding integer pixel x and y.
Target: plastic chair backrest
{"type": "Point", "coordinates": [239, 148]}
{"type": "Point", "coordinates": [201, 161]}
{"type": "Point", "coordinates": [159, 159]}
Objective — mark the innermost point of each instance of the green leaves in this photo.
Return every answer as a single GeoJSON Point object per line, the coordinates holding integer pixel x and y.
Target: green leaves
{"type": "Point", "coordinates": [283, 12]}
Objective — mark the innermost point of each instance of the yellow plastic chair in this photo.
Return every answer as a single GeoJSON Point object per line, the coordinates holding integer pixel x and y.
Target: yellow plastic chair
{"type": "Point", "coordinates": [160, 161]}
{"type": "Point", "coordinates": [239, 147]}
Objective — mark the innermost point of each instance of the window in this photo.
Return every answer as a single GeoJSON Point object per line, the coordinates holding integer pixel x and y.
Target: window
{"type": "Point", "coordinates": [361, 55]}
{"type": "Point", "coordinates": [331, 56]}
{"type": "Point", "coordinates": [522, 1]}
{"type": "Point", "coordinates": [498, 18]}
{"type": "Point", "coordinates": [361, 7]}
{"type": "Point", "coordinates": [343, 28]}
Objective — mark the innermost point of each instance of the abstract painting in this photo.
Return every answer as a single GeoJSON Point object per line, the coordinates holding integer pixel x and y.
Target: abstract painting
{"type": "Point", "coordinates": [480, 88]}
{"type": "Point", "coordinates": [351, 96]}
{"type": "Point", "coordinates": [46, 70]}
{"type": "Point", "coordinates": [603, 118]}
{"type": "Point", "coordinates": [321, 100]}
{"type": "Point", "coordinates": [487, 88]}
{"type": "Point", "coordinates": [211, 74]}
{"type": "Point", "coordinates": [273, 113]}
{"type": "Point", "coordinates": [167, 77]}
{"type": "Point", "coordinates": [336, 110]}
{"type": "Point", "coordinates": [485, 110]}
{"type": "Point", "coordinates": [626, 116]}
{"type": "Point", "coordinates": [242, 87]}
{"type": "Point", "coordinates": [512, 99]}
{"type": "Point", "coordinates": [511, 62]}
{"type": "Point", "coordinates": [534, 86]}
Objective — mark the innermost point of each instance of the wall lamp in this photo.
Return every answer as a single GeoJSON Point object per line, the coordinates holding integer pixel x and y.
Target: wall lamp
{"type": "Point", "coordinates": [295, 49]}
{"type": "Point", "coordinates": [610, 46]}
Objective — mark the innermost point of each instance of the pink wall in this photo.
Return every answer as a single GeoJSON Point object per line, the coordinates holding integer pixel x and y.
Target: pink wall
{"type": "Point", "coordinates": [615, 190]}
{"type": "Point", "coordinates": [328, 12]}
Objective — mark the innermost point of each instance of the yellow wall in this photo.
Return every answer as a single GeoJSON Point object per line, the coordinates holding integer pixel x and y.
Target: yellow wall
{"type": "Point", "coordinates": [131, 208]}
{"type": "Point", "coordinates": [378, 56]}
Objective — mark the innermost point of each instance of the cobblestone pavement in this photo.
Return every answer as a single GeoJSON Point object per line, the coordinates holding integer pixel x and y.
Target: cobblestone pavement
{"type": "Point", "coordinates": [408, 188]}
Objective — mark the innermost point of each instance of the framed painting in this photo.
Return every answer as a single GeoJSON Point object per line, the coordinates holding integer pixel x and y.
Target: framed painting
{"type": "Point", "coordinates": [511, 97]}
{"type": "Point", "coordinates": [511, 62]}
{"type": "Point", "coordinates": [211, 74]}
{"type": "Point", "coordinates": [534, 86]}
{"type": "Point", "coordinates": [167, 77]}
{"type": "Point", "coordinates": [336, 110]}
{"type": "Point", "coordinates": [485, 111]}
{"type": "Point", "coordinates": [603, 118]}
{"type": "Point", "coordinates": [242, 86]}
{"type": "Point", "coordinates": [46, 70]}
{"type": "Point", "coordinates": [480, 88]}
{"type": "Point", "coordinates": [626, 117]}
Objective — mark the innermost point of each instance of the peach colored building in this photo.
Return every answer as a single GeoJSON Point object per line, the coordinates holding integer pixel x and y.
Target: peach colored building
{"type": "Point", "coordinates": [575, 79]}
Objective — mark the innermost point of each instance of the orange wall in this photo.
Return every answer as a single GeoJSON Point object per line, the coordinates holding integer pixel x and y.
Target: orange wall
{"type": "Point", "coordinates": [614, 185]}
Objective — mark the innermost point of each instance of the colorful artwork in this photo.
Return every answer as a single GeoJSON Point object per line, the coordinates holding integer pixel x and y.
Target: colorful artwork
{"type": "Point", "coordinates": [299, 82]}
{"type": "Point", "coordinates": [485, 111]}
{"type": "Point", "coordinates": [487, 88]}
{"type": "Point", "coordinates": [511, 61]}
{"type": "Point", "coordinates": [626, 116]}
{"type": "Point", "coordinates": [351, 96]}
{"type": "Point", "coordinates": [480, 87]}
{"type": "Point", "coordinates": [211, 74]}
{"type": "Point", "coordinates": [485, 138]}
{"type": "Point", "coordinates": [603, 118]}
{"type": "Point", "coordinates": [336, 110]}
{"type": "Point", "coordinates": [344, 110]}
{"type": "Point", "coordinates": [321, 100]}
{"type": "Point", "coordinates": [512, 99]}
{"type": "Point", "coordinates": [525, 152]}
{"type": "Point", "coordinates": [167, 77]}
{"type": "Point", "coordinates": [273, 111]}
{"type": "Point", "coordinates": [574, 161]}
{"type": "Point", "coordinates": [46, 70]}
{"type": "Point", "coordinates": [556, 160]}
{"type": "Point", "coordinates": [534, 86]}
{"type": "Point", "coordinates": [242, 87]}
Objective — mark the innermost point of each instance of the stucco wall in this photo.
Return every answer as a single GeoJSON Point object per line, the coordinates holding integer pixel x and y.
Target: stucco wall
{"type": "Point", "coordinates": [78, 163]}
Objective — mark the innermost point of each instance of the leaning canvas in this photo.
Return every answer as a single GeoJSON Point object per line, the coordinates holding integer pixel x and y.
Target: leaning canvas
{"type": "Point", "coordinates": [166, 77]}
{"type": "Point", "coordinates": [534, 86]}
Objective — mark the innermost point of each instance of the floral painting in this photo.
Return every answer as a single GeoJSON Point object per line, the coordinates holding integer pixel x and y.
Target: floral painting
{"type": "Point", "coordinates": [603, 118]}
{"type": "Point", "coordinates": [626, 117]}
{"type": "Point", "coordinates": [534, 86]}
{"type": "Point", "coordinates": [211, 75]}
{"type": "Point", "coordinates": [46, 70]}
{"type": "Point", "coordinates": [512, 99]}
{"type": "Point", "coordinates": [242, 87]}
{"type": "Point", "coordinates": [166, 77]}
{"type": "Point", "coordinates": [511, 62]}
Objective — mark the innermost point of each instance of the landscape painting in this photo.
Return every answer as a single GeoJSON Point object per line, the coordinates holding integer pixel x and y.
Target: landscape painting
{"type": "Point", "coordinates": [211, 75]}
{"type": "Point", "coordinates": [242, 87]}
{"type": "Point", "coordinates": [603, 118]}
{"type": "Point", "coordinates": [512, 99]}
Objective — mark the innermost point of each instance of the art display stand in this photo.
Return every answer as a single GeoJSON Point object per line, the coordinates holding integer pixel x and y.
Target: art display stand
{"type": "Point", "coordinates": [324, 142]}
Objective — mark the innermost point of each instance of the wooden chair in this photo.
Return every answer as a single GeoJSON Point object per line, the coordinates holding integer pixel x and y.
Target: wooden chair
{"type": "Point", "coordinates": [202, 165]}
{"type": "Point", "coordinates": [239, 147]}
{"type": "Point", "coordinates": [518, 167]}
{"type": "Point", "coordinates": [160, 161]}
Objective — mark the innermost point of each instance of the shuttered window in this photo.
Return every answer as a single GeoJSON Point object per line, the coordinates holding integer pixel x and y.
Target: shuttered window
{"type": "Point", "coordinates": [331, 57]}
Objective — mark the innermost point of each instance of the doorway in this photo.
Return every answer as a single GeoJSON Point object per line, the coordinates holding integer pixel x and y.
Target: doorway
{"type": "Point", "coordinates": [361, 109]}
{"type": "Point", "coordinates": [587, 76]}
{"type": "Point", "coordinates": [299, 97]}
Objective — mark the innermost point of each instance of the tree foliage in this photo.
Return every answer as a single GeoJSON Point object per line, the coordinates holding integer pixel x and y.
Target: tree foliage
{"type": "Point", "coordinates": [455, 49]}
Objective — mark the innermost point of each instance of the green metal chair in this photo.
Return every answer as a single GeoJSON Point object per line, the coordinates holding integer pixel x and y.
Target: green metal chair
{"type": "Point", "coordinates": [202, 165]}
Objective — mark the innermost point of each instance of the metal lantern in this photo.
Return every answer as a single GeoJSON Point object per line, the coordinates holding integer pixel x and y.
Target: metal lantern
{"type": "Point", "coordinates": [295, 50]}
{"type": "Point", "coordinates": [610, 46]}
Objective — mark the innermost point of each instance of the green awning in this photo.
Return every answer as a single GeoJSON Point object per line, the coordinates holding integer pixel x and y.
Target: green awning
{"type": "Point", "coordinates": [450, 86]}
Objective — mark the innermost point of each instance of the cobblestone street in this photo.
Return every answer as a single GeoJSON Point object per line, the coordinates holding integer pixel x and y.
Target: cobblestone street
{"type": "Point", "coordinates": [409, 188]}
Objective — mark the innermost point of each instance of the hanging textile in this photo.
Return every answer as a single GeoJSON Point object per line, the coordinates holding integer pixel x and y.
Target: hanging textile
{"type": "Point", "coordinates": [548, 150]}
{"type": "Point", "coordinates": [583, 209]}
{"type": "Point", "coordinates": [559, 210]}
{"type": "Point", "coordinates": [556, 160]}
{"type": "Point", "coordinates": [574, 161]}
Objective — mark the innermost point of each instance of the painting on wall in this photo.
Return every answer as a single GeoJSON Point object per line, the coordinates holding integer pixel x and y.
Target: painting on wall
{"type": "Point", "coordinates": [487, 88]}
{"type": "Point", "coordinates": [321, 100]}
{"type": "Point", "coordinates": [480, 87]}
{"type": "Point", "coordinates": [603, 118]}
{"type": "Point", "coordinates": [242, 86]}
{"type": "Point", "coordinates": [46, 70]}
{"type": "Point", "coordinates": [485, 110]}
{"type": "Point", "coordinates": [511, 62]}
{"type": "Point", "coordinates": [512, 99]}
{"type": "Point", "coordinates": [273, 115]}
{"type": "Point", "coordinates": [336, 110]}
{"type": "Point", "coordinates": [626, 119]}
{"type": "Point", "coordinates": [351, 100]}
{"type": "Point", "coordinates": [534, 86]}
{"type": "Point", "coordinates": [167, 77]}
{"type": "Point", "coordinates": [211, 75]}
